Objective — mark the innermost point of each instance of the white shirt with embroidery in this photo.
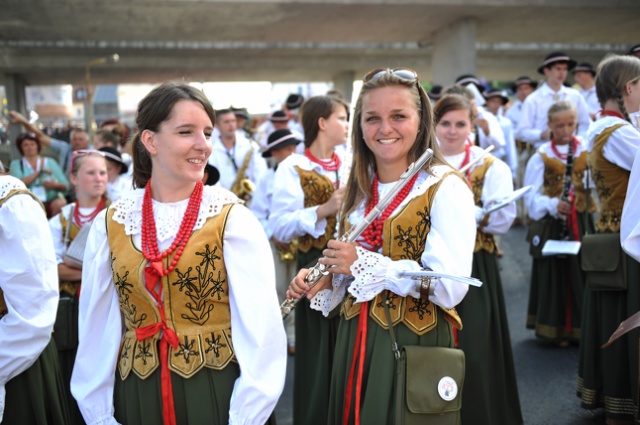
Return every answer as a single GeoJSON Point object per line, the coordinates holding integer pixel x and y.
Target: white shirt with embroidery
{"type": "Point", "coordinates": [448, 249]}
{"type": "Point", "coordinates": [29, 280]}
{"type": "Point", "coordinates": [256, 326]}
{"type": "Point", "coordinates": [630, 226]}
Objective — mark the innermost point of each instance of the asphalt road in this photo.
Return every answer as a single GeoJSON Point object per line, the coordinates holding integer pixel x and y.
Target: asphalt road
{"type": "Point", "coordinates": [546, 374]}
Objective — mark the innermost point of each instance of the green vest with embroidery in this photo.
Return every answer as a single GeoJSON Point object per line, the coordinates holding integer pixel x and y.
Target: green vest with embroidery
{"type": "Point", "coordinates": [196, 302]}
{"type": "Point", "coordinates": [404, 237]}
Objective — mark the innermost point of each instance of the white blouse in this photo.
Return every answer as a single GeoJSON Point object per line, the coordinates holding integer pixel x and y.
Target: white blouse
{"type": "Point", "coordinates": [58, 232]}
{"type": "Point", "coordinates": [256, 321]}
{"type": "Point", "coordinates": [622, 144]}
{"type": "Point", "coordinates": [630, 226]}
{"type": "Point", "coordinates": [289, 218]}
{"type": "Point", "coordinates": [29, 280]}
{"type": "Point", "coordinates": [449, 249]}
{"type": "Point", "coordinates": [498, 183]}
{"type": "Point", "coordinates": [539, 204]}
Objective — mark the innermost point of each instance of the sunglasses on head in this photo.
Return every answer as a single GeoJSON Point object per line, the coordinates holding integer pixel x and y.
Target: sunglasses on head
{"type": "Point", "coordinates": [24, 136]}
{"type": "Point", "coordinates": [403, 73]}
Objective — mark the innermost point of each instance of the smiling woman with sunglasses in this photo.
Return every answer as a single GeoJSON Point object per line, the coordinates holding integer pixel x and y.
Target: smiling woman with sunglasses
{"type": "Point", "coordinates": [430, 223]}
{"type": "Point", "coordinates": [177, 267]}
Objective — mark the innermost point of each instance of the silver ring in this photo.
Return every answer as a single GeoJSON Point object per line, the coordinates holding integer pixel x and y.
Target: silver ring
{"type": "Point", "coordinates": [333, 254]}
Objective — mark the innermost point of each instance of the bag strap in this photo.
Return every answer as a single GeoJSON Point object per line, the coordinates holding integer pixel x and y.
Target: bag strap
{"type": "Point", "coordinates": [394, 342]}
{"type": "Point", "coordinates": [67, 233]}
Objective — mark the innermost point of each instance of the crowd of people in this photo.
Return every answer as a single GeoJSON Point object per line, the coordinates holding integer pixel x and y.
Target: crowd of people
{"type": "Point", "coordinates": [152, 295]}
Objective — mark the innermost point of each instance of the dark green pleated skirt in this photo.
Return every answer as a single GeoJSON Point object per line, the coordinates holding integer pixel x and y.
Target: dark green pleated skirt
{"type": "Point", "coordinates": [378, 386]}
{"type": "Point", "coordinates": [37, 396]}
{"type": "Point", "coordinates": [609, 377]}
{"type": "Point", "coordinates": [490, 387]}
{"type": "Point", "coordinates": [556, 294]}
{"type": "Point", "coordinates": [315, 344]}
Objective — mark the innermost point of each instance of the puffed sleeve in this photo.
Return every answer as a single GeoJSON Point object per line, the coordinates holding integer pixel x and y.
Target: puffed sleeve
{"type": "Point", "coordinates": [29, 281]}
{"type": "Point", "coordinates": [498, 183]}
{"type": "Point", "coordinates": [256, 323]}
{"type": "Point", "coordinates": [538, 204]}
{"type": "Point", "coordinates": [57, 233]}
{"type": "Point", "coordinates": [289, 218]}
{"type": "Point", "coordinates": [99, 331]}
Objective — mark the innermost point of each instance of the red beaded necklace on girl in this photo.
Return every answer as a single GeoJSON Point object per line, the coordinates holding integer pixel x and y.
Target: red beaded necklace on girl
{"type": "Point", "coordinates": [80, 219]}
{"type": "Point", "coordinates": [150, 239]}
{"type": "Point", "coordinates": [373, 233]}
{"type": "Point", "coordinates": [332, 164]}
{"type": "Point", "coordinates": [561, 155]}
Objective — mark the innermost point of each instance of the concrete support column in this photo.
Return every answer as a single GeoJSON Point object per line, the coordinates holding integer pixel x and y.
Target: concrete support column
{"type": "Point", "coordinates": [343, 82]}
{"type": "Point", "coordinates": [15, 86]}
{"type": "Point", "coordinates": [454, 52]}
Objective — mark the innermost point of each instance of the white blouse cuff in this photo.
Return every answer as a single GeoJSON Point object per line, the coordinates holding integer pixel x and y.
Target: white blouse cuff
{"type": "Point", "coordinates": [310, 223]}
{"type": "Point", "coordinates": [105, 418]}
{"type": "Point", "coordinates": [373, 273]}
{"type": "Point", "coordinates": [328, 299]}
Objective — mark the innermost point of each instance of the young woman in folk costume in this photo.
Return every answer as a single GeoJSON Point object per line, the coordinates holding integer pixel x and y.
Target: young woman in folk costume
{"type": "Point", "coordinates": [306, 198]}
{"type": "Point", "coordinates": [557, 282]}
{"type": "Point", "coordinates": [31, 385]}
{"type": "Point", "coordinates": [175, 328]}
{"type": "Point", "coordinates": [88, 175]}
{"type": "Point", "coordinates": [609, 376]}
{"type": "Point", "coordinates": [491, 391]}
{"type": "Point", "coordinates": [430, 223]}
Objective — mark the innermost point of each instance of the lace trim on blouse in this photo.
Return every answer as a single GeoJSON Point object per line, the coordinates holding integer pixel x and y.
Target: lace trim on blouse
{"type": "Point", "coordinates": [8, 183]}
{"type": "Point", "coordinates": [128, 211]}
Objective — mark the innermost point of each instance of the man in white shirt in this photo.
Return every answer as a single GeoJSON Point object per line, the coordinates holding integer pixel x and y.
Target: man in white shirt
{"type": "Point", "coordinates": [584, 74]}
{"type": "Point", "coordinates": [522, 88]}
{"type": "Point", "coordinates": [233, 153]}
{"type": "Point", "coordinates": [495, 101]}
{"type": "Point", "coordinates": [533, 128]}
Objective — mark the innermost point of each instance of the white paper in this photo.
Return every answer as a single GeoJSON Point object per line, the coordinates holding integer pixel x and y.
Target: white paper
{"type": "Point", "coordinates": [553, 247]}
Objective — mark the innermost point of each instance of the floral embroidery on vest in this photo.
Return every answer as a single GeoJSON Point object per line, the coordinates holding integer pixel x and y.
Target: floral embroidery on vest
{"type": "Point", "coordinates": [317, 190]}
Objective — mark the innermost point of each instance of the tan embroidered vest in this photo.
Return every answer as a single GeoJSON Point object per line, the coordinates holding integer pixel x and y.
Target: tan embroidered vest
{"type": "Point", "coordinates": [404, 237]}
{"type": "Point", "coordinates": [484, 240]}
{"type": "Point", "coordinates": [196, 301]}
{"type": "Point", "coordinates": [3, 304]}
{"type": "Point", "coordinates": [553, 180]}
{"type": "Point", "coordinates": [317, 190]}
{"type": "Point", "coordinates": [70, 288]}
{"type": "Point", "coordinates": [611, 183]}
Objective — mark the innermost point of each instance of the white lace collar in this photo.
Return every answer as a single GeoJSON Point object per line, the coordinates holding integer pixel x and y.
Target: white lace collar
{"type": "Point", "coordinates": [168, 216]}
{"type": "Point", "coordinates": [9, 183]}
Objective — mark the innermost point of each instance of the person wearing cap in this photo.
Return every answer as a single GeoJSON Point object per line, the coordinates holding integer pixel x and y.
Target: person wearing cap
{"type": "Point", "coordinates": [584, 74]}
{"type": "Point", "coordinates": [522, 88]}
{"type": "Point", "coordinates": [435, 94]}
{"type": "Point", "coordinates": [236, 157]}
{"type": "Point", "coordinates": [278, 120]}
{"type": "Point", "coordinates": [242, 116]}
{"type": "Point", "coordinates": [280, 145]}
{"type": "Point", "coordinates": [634, 51]}
{"type": "Point", "coordinates": [292, 107]}
{"type": "Point", "coordinates": [119, 181]}
{"type": "Point", "coordinates": [533, 126]}
{"type": "Point", "coordinates": [496, 99]}
{"type": "Point", "coordinates": [487, 128]}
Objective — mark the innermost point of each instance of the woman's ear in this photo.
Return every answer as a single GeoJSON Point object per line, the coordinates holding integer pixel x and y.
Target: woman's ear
{"type": "Point", "coordinates": [322, 124]}
{"type": "Point", "coordinates": [148, 139]}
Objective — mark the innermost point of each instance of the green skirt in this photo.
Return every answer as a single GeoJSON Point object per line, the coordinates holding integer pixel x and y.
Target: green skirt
{"type": "Point", "coordinates": [491, 390]}
{"type": "Point", "coordinates": [203, 399]}
{"type": "Point", "coordinates": [315, 344]}
{"type": "Point", "coordinates": [37, 396]}
{"type": "Point", "coordinates": [609, 377]}
{"type": "Point", "coordinates": [378, 379]}
{"type": "Point", "coordinates": [556, 294]}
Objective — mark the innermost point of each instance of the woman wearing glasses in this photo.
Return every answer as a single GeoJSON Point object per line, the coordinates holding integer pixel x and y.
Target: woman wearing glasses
{"type": "Point", "coordinates": [306, 198]}
{"type": "Point", "coordinates": [177, 269]}
{"type": "Point", "coordinates": [430, 223]}
{"type": "Point", "coordinates": [31, 387]}
{"type": "Point", "coordinates": [491, 391]}
{"type": "Point", "coordinates": [88, 175]}
{"type": "Point", "coordinates": [42, 175]}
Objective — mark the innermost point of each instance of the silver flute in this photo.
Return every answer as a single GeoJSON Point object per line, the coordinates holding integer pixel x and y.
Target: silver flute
{"type": "Point", "coordinates": [319, 270]}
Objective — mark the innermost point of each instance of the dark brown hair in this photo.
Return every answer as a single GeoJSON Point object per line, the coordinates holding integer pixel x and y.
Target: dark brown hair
{"type": "Point", "coordinates": [313, 109]}
{"type": "Point", "coordinates": [27, 136]}
{"type": "Point", "coordinates": [452, 102]}
{"type": "Point", "coordinates": [155, 109]}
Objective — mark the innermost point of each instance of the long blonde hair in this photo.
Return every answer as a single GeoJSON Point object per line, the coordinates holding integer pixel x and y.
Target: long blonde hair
{"type": "Point", "coordinates": [358, 187]}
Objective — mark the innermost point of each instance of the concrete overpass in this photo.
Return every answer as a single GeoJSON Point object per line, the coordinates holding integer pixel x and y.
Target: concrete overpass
{"type": "Point", "coordinates": [51, 42]}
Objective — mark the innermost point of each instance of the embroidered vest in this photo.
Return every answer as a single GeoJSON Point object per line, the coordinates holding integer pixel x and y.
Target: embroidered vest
{"type": "Point", "coordinates": [317, 190]}
{"type": "Point", "coordinates": [70, 288]}
{"type": "Point", "coordinates": [3, 304]}
{"type": "Point", "coordinates": [484, 240]}
{"type": "Point", "coordinates": [196, 302]}
{"type": "Point", "coordinates": [553, 181]}
{"type": "Point", "coordinates": [611, 183]}
{"type": "Point", "coordinates": [404, 237]}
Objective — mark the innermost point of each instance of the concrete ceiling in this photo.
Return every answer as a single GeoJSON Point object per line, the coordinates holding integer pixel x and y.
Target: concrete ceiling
{"type": "Point", "coordinates": [49, 42]}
